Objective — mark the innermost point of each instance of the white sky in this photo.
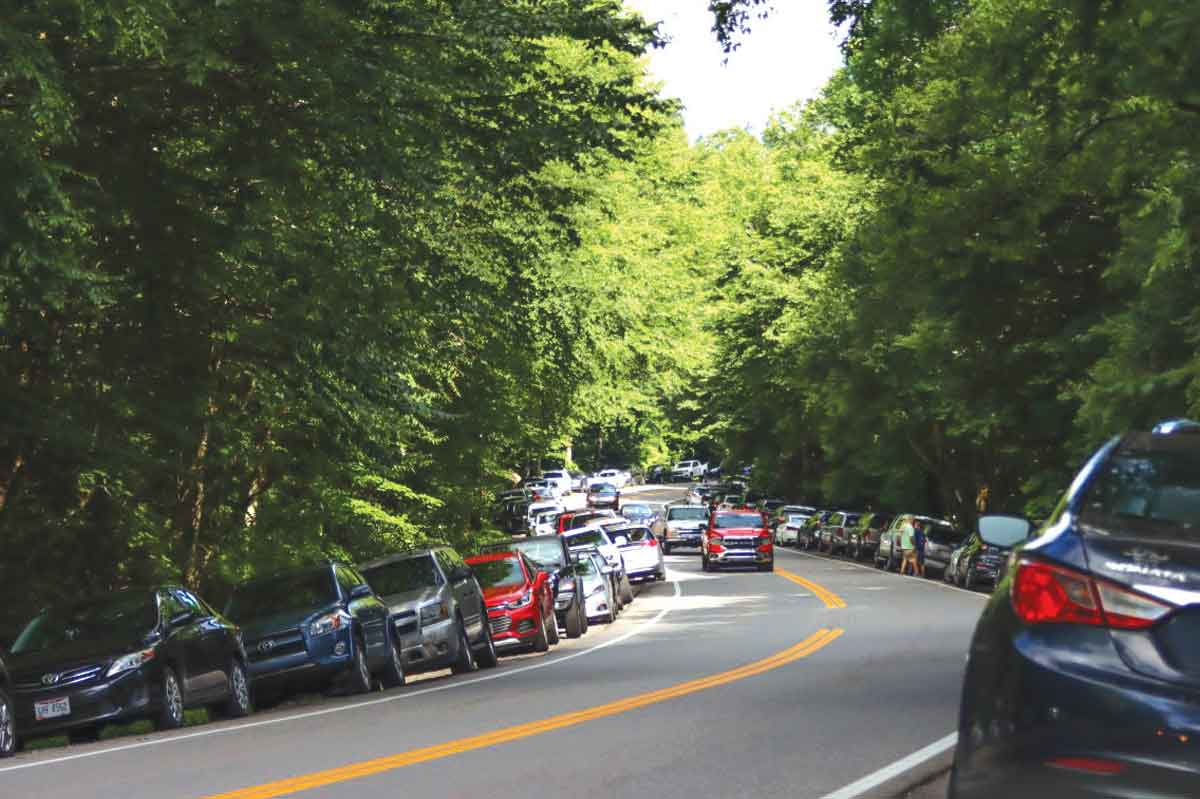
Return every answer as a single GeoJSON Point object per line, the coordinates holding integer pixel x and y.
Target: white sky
{"type": "Point", "coordinates": [786, 58]}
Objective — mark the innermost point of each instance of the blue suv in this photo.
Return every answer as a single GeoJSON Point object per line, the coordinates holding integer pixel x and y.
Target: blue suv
{"type": "Point", "coordinates": [322, 625]}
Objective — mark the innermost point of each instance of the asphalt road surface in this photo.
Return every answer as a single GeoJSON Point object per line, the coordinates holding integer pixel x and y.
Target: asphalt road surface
{"type": "Point", "coordinates": [738, 684]}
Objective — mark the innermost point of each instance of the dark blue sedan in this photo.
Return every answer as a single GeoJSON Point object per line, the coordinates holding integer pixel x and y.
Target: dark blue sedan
{"type": "Point", "coordinates": [1083, 678]}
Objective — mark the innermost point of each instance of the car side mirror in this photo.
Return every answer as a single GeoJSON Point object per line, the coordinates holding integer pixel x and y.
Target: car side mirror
{"type": "Point", "coordinates": [1003, 531]}
{"type": "Point", "coordinates": [360, 591]}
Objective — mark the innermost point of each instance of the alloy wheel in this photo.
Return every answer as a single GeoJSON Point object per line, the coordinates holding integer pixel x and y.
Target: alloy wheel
{"type": "Point", "coordinates": [8, 729]}
{"type": "Point", "coordinates": [241, 688]}
{"type": "Point", "coordinates": [172, 697]}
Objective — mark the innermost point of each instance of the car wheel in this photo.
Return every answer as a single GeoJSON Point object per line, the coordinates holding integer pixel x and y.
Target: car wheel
{"type": "Point", "coordinates": [626, 590]}
{"type": "Point", "coordinates": [541, 642]}
{"type": "Point", "coordinates": [170, 714]}
{"type": "Point", "coordinates": [552, 628]}
{"type": "Point", "coordinates": [583, 617]}
{"type": "Point", "coordinates": [891, 563]}
{"type": "Point", "coordinates": [660, 576]}
{"type": "Point", "coordinates": [359, 676]}
{"type": "Point", "coordinates": [969, 580]}
{"type": "Point", "coordinates": [856, 553]}
{"type": "Point", "coordinates": [575, 622]}
{"type": "Point", "coordinates": [238, 704]}
{"type": "Point", "coordinates": [393, 672]}
{"type": "Point", "coordinates": [487, 658]}
{"type": "Point", "coordinates": [464, 661]}
{"type": "Point", "coordinates": [666, 549]}
{"type": "Point", "coordinates": [8, 727]}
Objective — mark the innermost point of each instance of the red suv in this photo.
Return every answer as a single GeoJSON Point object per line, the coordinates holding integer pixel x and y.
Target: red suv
{"type": "Point", "coordinates": [519, 598]}
{"type": "Point", "coordinates": [737, 538]}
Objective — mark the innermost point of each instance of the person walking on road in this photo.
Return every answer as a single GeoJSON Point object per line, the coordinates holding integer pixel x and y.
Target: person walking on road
{"type": "Point", "coordinates": [919, 545]}
{"type": "Point", "coordinates": [908, 549]}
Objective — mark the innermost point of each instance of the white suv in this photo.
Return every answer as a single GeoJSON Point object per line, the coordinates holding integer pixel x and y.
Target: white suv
{"type": "Point", "coordinates": [689, 470]}
{"type": "Point", "coordinates": [561, 478]}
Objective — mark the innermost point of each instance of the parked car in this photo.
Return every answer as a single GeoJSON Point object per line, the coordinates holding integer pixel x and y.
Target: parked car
{"type": "Point", "coordinates": [8, 715]}
{"type": "Point", "coordinates": [578, 482]}
{"type": "Point", "coordinates": [684, 527]}
{"type": "Point", "coordinates": [808, 536]}
{"type": "Point", "coordinates": [560, 479]}
{"type": "Point", "coordinates": [952, 565]}
{"type": "Point", "coordinates": [603, 495]}
{"type": "Point", "coordinates": [1083, 674]}
{"type": "Point", "coordinates": [737, 538]}
{"type": "Point", "coordinates": [732, 501]}
{"type": "Point", "coordinates": [770, 506]}
{"type": "Point", "coordinates": [640, 512]}
{"type": "Point", "coordinates": [542, 490]}
{"type": "Point", "coordinates": [698, 495]}
{"type": "Point", "coordinates": [542, 517]}
{"type": "Point", "coordinates": [888, 555]}
{"type": "Point", "coordinates": [575, 520]}
{"type": "Point", "coordinates": [787, 530]}
{"type": "Point", "coordinates": [864, 538]}
{"type": "Point", "coordinates": [116, 657]}
{"type": "Point", "coordinates": [640, 552]}
{"type": "Point", "coordinates": [835, 534]}
{"type": "Point", "coordinates": [980, 562]}
{"type": "Point", "coordinates": [551, 554]}
{"type": "Point", "coordinates": [688, 470]}
{"type": "Point", "coordinates": [941, 539]}
{"type": "Point", "coordinates": [323, 625]}
{"type": "Point", "coordinates": [438, 618]}
{"type": "Point", "coordinates": [519, 599]}
{"type": "Point", "coordinates": [593, 576]}
{"type": "Point", "coordinates": [781, 515]}
{"type": "Point", "coordinates": [658, 474]}
{"type": "Point", "coordinates": [511, 510]}
{"type": "Point", "coordinates": [596, 537]}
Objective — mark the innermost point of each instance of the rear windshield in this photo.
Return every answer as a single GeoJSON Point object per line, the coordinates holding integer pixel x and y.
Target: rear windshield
{"type": "Point", "coordinates": [604, 489]}
{"type": "Point", "coordinates": [546, 551]}
{"type": "Point", "coordinates": [283, 593]}
{"type": "Point", "coordinates": [686, 514]}
{"type": "Point", "coordinates": [730, 521]}
{"type": "Point", "coordinates": [401, 576]}
{"type": "Point", "coordinates": [636, 535]}
{"type": "Point", "coordinates": [1160, 488]}
{"type": "Point", "coordinates": [589, 538]}
{"type": "Point", "coordinates": [637, 510]}
{"type": "Point", "coordinates": [499, 573]}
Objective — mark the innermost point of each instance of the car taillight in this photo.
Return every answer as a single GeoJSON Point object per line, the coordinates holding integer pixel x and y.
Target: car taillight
{"type": "Point", "coordinates": [1046, 594]}
{"type": "Point", "coordinates": [650, 542]}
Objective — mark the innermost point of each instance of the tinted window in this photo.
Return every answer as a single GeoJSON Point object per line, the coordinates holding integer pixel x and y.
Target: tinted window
{"type": "Point", "coordinates": [944, 534]}
{"type": "Point", "coordinates": [499, 573]}
{"type": "Point", "coordinates": [404, 575]}
{"type": "Point", "coordinates": [283, 593]}
{"type": "Point", "coordinates": [120, 617]}
{"type": "Point", "coordinates": [548, 551]}
{"type": "Point", "coordinates": [634, 534]}
{"type": "Point", "coordinates": [732, 520]}
{"type": "Point", "coordinates": [591, 537]}
{"type": "Point", "coordinates": [687, 514]}
{"type": "Point", "coordinates": [1160, 487]}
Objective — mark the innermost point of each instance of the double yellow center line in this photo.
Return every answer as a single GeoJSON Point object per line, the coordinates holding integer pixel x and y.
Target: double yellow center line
{"type": "Point", "coordinates": [813, 643]}
{"type": "Point", "coordinates": [822, 593]}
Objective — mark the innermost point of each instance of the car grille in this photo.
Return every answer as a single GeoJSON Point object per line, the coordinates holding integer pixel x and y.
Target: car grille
{"type": "Point", "coordinates": [501, 624]}
{"type": "Point", "coordinates": [405, 622]}
{"type": "Point", "coordinates": [740, 543]}
{"type": "Point", "coordinates": [289, 643]}
{"type": "Point", "coordinates": [525, 626]}
{"type": "Point", "coordinates": [33, 681]}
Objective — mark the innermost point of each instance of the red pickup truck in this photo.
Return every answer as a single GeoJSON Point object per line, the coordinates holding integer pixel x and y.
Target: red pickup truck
{"type": "Point", "coordinates": [737, 538]}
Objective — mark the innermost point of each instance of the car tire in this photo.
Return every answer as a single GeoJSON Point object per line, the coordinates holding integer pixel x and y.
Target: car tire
{"type": "Point", "coordinates": [486, 657]}
{"type": "Point", "coordinates": [464, 659]}
{"type": "Point", "coordinates": [890, 566]}
{"type": "Point", "coordinates": [170, 714]}
{"type": "Point", "coordinates": [626, 590]}
{"type": "Point", "coordinates": [666, 549]}
{"type": "Point", "coordinates": [552, 628]}
{"type": "Point", "coordinates": [856, 552]}
{"type": "Point", "coordinates": [238, 704]}
{"type": "Point", "coordinates": [541, 642]}
{"type": "Point", "coordinates": [358, 676]}
{"type": "Point", "coordinates": [660, 576]}
{"type": "Point", "coordinates": [576, 622]}
{"type": "Point", "coordinates": [969, 580]}
{"type": "Point", "coordinates": [393, 673]}
{"type": "Point", "coordinates": [767, 567]}
{"type": "Point", "coordinates": [8, 727]}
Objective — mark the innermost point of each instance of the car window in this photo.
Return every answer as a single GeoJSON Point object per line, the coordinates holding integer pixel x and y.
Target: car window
{"type": "Point", "coordinates": [282, 593]}
{"type": "Point", "coordinates": [124, 616]}
{"type": "Point", "coordinates": [1155, 491]}
{"type": "Point", "coordinates": [499, 573]}
{"type": "Point", "coordinates": [636, 535]}
{"type": "Point", "coordinates": [593, 537]}
{"type": "Point", "coordinates": [170, 605]}
{"type": "Point", "coordinates": [542, 550]}
{"type": "Point", "coordinates": [400, 576]}
{"type": "Point", "coordinates": [189, 602]}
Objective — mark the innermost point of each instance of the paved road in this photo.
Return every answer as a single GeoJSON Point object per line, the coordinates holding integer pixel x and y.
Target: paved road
{"type": "Point", "coordinates": [723, 686]}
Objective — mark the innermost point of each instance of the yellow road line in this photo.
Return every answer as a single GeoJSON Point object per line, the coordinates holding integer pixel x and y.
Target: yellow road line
{"type": "Point", "coordinates": [814, 642]}
{"type": "Point", "coordinates": [830, 599]}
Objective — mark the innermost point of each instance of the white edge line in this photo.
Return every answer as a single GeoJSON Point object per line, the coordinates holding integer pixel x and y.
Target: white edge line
{"type": "Point", "coordinates": [344, 708]}
{"type": "Point", "coordinates": [875, 779]}
{"type": "Point", "coordinates": [932, 583]}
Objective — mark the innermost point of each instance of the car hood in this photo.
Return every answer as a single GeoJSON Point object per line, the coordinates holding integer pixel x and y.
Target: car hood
{"type": "Point", "coordinates": [411, 600]}
{"type": "Point", "coordinates": [71, 655]}
{"type": "Point", "coordinates": [262, 626]}
{"type": "Point", "coordinates": [503, 593]}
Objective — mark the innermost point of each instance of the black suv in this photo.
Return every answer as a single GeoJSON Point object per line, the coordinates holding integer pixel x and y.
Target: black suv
{"type": "Point", "coordinates": [322, 624]}
{"type": "Point", "coordinates": [126, 655]}
{"type": "Point", "coordinates": [550, 553]}
{"type": "Point", "coordinates": [8, 721]}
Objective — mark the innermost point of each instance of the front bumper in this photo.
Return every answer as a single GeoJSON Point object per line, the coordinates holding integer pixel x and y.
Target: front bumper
{"type": "Point", "coordinates": [683, 538]}
{"type": "Point", "coordinates": [295, 653]}
{"type": "Point", "coordinates": [131, 695]}
{"type": "Point", "coordinates": [427, 644]}
{"type": "Point", "coordinates": [730, 556]}
{"type": "Point", "coordinates": [512, 628]}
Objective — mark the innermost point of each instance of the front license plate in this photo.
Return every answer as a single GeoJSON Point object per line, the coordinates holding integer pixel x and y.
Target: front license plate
{"type": "Point", "coordinates": [52, 708]}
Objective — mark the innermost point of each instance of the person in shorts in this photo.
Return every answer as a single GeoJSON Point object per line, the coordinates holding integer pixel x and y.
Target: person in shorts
{"type": "Point", "coordinates": [908, 547]}
{"type": "Point", "coordinates": [919, 545]}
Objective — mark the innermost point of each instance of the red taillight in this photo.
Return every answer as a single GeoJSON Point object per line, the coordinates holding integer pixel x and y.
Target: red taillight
{"type": "Point", "coordinates": [1046, 594]}
{"type": "Point", "coordinates": [650, 542]}
{"type": "Point", "coordinates": [1089, 765]}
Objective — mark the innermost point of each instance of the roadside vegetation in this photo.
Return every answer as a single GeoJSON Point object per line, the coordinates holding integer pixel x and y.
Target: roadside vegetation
{"type": "Point", "coordinates": [282, 283]}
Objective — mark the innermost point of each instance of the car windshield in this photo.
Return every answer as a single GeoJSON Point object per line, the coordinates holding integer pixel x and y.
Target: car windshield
{"type": "Point", "coordinates": [584, 567]}
{"type": "Point", "coordinates": [686, 514]}
{"type": "Point", "coordinates": [587, 538]}
{"type": "Point", "coordinates": [636, 535]}
{"type": "Point", "coordinates": [637, 510]}
{"type": "Point", "coordinates": [547, 551]}
{"type": "Point", "coordinates": [499, 573]}
{"type": "Point", "coordinates": [729, 521]}
{"type": "Point", "coordinates": [604, 489]}
{"type": "Point", "coordinates": [283, 593]}
{"type": "Point", "coordinates": [1156, 489]}
{"type": "Point", "coordinates": [404, 575]}
{"type": "Point", "coordinates": [797, 518]}
{"type": "Point", "coordinates": [128, 616]}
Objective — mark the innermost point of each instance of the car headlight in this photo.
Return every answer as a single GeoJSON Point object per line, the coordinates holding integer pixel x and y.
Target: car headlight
{"type": "Point", "coordinates": [328, 623]}
{"type": "Point", "coordinates": [435, 611]}
{"type": "Point", "coordinates": [567, 585]}
{"type": "Point", "coordinates": [129, 662]}
{"type": "Point", "coordinates": [522, 601]}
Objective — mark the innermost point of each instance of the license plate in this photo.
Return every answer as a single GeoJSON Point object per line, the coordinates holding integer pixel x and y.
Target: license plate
{"type": "Point", "coordinates": [52, 708]}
